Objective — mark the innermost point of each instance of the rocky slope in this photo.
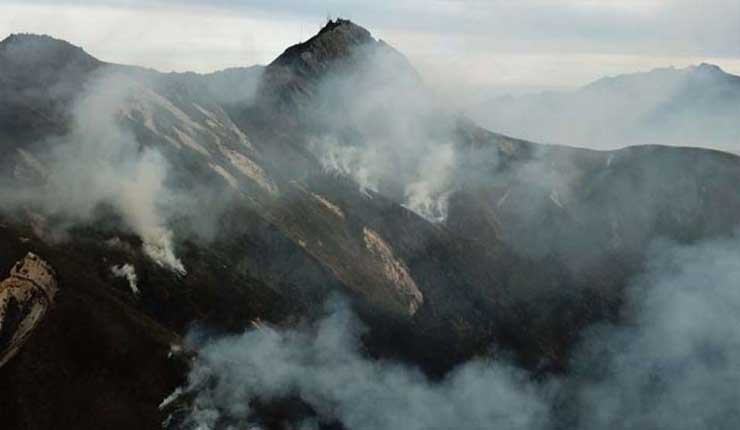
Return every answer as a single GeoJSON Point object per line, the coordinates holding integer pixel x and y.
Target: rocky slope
{"type": "Point", "coordinates": [324, 177]}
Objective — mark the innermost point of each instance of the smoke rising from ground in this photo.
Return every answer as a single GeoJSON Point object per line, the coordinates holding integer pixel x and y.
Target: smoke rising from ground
{"type": "Point", "coordinates": [128, 272]}
{"type": "Point", "coordinates": [101, 163]}
{"type": "Point", "coordinates": [672, 363]}
{"type": "Point", "coordinates": [386, 131]}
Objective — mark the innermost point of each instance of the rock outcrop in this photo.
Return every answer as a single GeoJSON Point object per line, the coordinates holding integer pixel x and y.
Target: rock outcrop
{"type": "Point", "coordinates": [395, 271]}
{"type": "Point", "coordinates": [25, 298]}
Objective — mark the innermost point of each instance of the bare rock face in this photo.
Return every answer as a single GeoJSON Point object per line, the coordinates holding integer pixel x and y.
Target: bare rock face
{"type": "Point", "coordinates": [395, 271]}
{"type": "Point", "coordinates": [25, 298]}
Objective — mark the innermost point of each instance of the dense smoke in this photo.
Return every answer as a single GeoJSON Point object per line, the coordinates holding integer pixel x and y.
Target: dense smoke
{"type": "Point", "coordinates": [428, 193]}
{"type": "Point", "coordinates": [128, 272]}
{"type": "Point", "coordinates": [677, 364]}
{"type": "Point", "coordinates": [324, 366]}
{"type": "Point", "coordinates": [99, 162]}
{"type": "Point", "coordinates": [386, 131]}
{"type": "Point", "coordinates": [672, 364]}
{"type": "Point", "coordinates": [656, 369]}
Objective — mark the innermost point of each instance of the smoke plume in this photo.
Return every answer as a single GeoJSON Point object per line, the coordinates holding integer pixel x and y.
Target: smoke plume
{"type": "Point", "coordinates": [385, 130]}
{"type": "Point", "coordinates": [671, 363]}
{"type": "Point", "coordinates": [101, 163]}
{"type": "Point", "coordinates": [324, 366]}
{"type": "Point", "coordinates": [127, 272]}
{"type": "Point", "coordinates": [677, 364]}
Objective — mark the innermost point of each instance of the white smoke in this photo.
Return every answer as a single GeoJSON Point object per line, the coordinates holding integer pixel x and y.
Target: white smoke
{"type": "Point", "coordinates": [428, 190]}
{"type": "Point", "coordinates": [397, 144]}
{"type": "Point", "coordinates": [100, 162]}
{"type": "Point", "coordinates": [128, 272]}
{"type": "Point", "coordinates": [674, 363]}
{"type": "Point", "coordinates": [350, 161]}
{"type": "Point", "coordinates": [429, 194]}
{"type": "Point", "coordinates": [323, 365]}
{"type": "Point", "coordinates": [677, 365]}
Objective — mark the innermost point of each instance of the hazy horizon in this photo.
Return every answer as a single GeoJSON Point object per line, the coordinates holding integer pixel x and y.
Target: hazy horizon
{"type": "Point", "coordinates": [468, 47]}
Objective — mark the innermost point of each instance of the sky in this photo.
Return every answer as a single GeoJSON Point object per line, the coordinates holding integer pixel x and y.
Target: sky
{"type": "Point", "coordinates": [475, 45]}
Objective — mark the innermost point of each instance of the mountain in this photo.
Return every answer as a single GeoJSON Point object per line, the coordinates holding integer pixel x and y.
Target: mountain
{"type": "Point", "coordinates": [27, 59]}
{"type": "Point", "coordinates": [178, 206]}
{"type": "Point", "coordinates": [694, 106]}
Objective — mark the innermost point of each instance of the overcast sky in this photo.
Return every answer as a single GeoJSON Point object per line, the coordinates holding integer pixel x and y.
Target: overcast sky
{"type": "Point", "coordinates": [486, 44]}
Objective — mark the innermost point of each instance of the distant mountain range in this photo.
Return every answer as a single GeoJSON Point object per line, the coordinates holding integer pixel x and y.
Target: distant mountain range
{"type": "Point", "coordinates": [694, 106]}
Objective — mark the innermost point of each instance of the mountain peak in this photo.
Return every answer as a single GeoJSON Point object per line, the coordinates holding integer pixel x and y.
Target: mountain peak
{"type": "Point", "coordinates": [336, 40]}
{"type": "Point", "coordinates": [297, 72]}
{"type": "Point", "coordinates": [707, 69]}
{"type": "Point", "coordinates": [26, 37]}
{"type": "Point", "coordinates": [38, 42]}
{"type": "Point", "coordinates": [26, 49]}
{"type": "Point", "coordinates": [659, 77]}
{"type": "Point", "coordinates": [344, 24]}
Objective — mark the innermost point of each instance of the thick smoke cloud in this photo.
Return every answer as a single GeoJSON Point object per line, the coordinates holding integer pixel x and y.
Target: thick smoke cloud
{"type": "Point", "coordinates": [323, 365]}
{"type": "Point", "coordinates": [671, 363]}
{"type": "Point", "coordinates": [99, 162]}
{"type": "Point", "coordinates": [677, 364]}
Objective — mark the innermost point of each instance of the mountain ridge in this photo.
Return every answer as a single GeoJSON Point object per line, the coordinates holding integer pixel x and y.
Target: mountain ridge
{"type": "Point", "coordinates": [450, 241]}
{"type": "Point", "coordinates": [691, 106]}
